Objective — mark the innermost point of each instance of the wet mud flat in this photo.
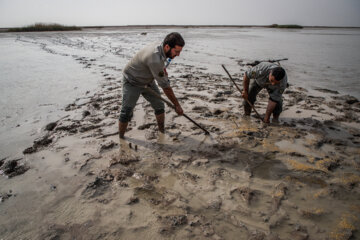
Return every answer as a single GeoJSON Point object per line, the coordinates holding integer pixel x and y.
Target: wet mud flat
{"type": "Point", "coordinates": [298, 179]}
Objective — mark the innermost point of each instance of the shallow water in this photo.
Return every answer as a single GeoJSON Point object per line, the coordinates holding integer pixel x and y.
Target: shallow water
{"type": "Point", "coordinates": [34, 87]}
{"type": "Point", "coordinates": [43, 72]}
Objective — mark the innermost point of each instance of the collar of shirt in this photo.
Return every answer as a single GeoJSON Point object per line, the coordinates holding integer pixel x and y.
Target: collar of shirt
{"type": "Point", "coordinates": [161, 51]}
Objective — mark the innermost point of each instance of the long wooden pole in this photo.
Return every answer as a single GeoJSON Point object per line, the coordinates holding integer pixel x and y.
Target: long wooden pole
{"type": "Point", "coordinates": [247, 100]}
{"type": "Point", "coordinates": [173, 107]}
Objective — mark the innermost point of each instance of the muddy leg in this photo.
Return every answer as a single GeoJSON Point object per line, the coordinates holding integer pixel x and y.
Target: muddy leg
{"type": "Point", "coordinates": [253, 92]}
{"type": "Point", "coordinates": [276, 112]}
{"type": "Point", "coordinates": [160, 118]}
{"type": "Point", "coordinates": [275, 118]}
{"type": "Point", "coordinates": [122, 128]}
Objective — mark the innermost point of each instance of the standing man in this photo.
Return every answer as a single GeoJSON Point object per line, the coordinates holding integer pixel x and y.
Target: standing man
{"type": "Point", "coordinates": [149, 64]}
{"type": "Point", "coordinates": [269, 76]}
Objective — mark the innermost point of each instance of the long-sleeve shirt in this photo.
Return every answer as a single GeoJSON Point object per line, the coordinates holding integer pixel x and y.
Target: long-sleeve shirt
{"type": "Point", "coordinates": [261, 75]}
{"type": "Point", "coordinates": [148, 64]}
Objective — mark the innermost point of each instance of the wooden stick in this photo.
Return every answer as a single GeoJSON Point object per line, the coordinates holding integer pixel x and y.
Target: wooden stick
{"type": "Point", "coordinates": [108, 135]}
{"type": "Point", "coordinates": [247, 100]}
{"type": "Point", "coordinates": [253, 64]}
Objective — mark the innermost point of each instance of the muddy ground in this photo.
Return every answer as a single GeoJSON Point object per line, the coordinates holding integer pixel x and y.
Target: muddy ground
{"type": "Point", "coordinates": [298, 179]}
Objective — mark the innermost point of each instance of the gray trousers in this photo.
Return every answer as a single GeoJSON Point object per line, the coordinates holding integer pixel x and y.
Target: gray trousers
{"type": "Point", "coordinates": [253, 92]}
{"type": "Point", "coordinates": [130, 96]}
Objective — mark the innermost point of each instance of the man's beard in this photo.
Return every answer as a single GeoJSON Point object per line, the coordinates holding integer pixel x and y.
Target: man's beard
{"type": "Point", "coordinates": [168, 54]}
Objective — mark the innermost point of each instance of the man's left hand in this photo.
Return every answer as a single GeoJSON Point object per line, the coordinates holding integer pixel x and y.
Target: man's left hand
{"type": "Point", "coordinates": [179, 110]}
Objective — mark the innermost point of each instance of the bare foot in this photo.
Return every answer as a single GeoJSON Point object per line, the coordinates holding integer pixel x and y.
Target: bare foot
{"type": "Point", "coordinates": [275, 121]}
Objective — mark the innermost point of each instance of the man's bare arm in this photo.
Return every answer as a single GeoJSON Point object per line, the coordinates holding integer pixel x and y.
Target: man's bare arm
{"type": "Point", "coordinates": [171, 96]}
{"type": "Point", "coordinates": [246, 82]}
{"type": "Point", "coordinates": [270, 108]}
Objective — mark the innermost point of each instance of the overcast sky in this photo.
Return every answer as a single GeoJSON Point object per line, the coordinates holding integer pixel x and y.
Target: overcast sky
{"type": "Point", "coordinates": [17, 13]}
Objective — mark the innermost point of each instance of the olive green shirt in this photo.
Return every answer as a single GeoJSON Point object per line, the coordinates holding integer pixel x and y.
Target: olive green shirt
{"type": "Point", "coordinates": [261, 75]}
{"type": "Point", "coordinates": [148, 64]}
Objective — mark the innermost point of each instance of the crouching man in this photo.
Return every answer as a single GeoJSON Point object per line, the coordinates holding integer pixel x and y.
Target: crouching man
{"type": "Point", "coordinates": [139, 74]}
{"type": "Point", "coordinates": [269, 76]}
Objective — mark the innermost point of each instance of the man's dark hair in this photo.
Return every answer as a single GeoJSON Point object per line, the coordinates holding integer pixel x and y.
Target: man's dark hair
{"type": "Point", "coordinates": [173, 39]}
{"type": "Point", "coordinates": [278, 73]}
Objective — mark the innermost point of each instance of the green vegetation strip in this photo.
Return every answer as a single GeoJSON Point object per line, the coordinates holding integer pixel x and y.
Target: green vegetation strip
{"type": "Point", "coordinates": [40, 27]}
{"type": "Point", "coordinates": [285, 26]}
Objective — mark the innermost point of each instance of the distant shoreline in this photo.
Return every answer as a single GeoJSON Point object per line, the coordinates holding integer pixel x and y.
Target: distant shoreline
{"type": "Point", "coordinates": [193, 26]}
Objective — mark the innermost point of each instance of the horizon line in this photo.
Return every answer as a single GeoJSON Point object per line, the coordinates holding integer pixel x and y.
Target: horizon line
{"type": "Point", "coordinates": [191, 26]}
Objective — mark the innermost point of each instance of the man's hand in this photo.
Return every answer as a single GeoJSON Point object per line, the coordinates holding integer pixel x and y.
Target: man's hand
{"type": "Point", "coordinates": [269, 110]}
{"type": "Point", "coordinates": [245, 95]}
{"type": "Point", "coordinates": [171, 96]}
{"type": "Point", "coordinates": [179, 110]}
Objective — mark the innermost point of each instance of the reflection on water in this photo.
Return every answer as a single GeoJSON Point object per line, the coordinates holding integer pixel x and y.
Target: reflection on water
{"type": "Point", "coordinates": [34, 86]}
{"type": "Point", "coordinates": [43, 72]}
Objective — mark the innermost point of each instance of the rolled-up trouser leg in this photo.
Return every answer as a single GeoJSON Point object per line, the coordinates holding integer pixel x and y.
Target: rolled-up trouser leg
{"type": "Point", "coordinates": [253, 92]}
{"type": "Point", "coordinates": [130, 95]}
{"type": "Point", "coordinates": [278, 109]}
{"type": "Point", "coordinates": [156, 103]}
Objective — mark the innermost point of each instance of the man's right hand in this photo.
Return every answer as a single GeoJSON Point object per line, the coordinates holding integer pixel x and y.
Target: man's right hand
{"type": "Point", "coordinates": [179, 110]}
{"type": "Point", "coordinates": [245, 95]}
{"type": "Point", "coordinates": [171, 96]}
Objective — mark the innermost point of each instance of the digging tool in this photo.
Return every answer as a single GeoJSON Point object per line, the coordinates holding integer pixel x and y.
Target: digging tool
{"type": "Point", "coordinates": [247, 100]}
{"type": "Point", "coordinates": [173, 107]}
{"type": "Point", "coordinates": [253, 64]}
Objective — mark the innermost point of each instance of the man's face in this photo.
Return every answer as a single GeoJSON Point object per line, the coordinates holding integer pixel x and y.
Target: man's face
{"type": "Point", "coordinates": [172, 52]}
{"type": "Point", "coordinates": [272, 80]}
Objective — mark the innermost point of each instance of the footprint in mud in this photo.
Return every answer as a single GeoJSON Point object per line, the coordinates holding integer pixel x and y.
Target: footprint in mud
{"type": "Point", "coordinates": [146, 126]}
{"type": "Point", "coordinates": [246, 194]}
{"type": "Point", "coordinates": [124, 157]}
{"type": "Point", "coordinates": [12, 168]}
{"type": "Point", "coordinates": [107, 146]}
{"type": "Point", "coordinates": [149, 194]}
{"type": "Point", "coordinates": [171, 222]}
{"type": "Point", "coordinates": [150, 135]}
{"type": "Point", "coordinates": [97, 188]}
{"type": "Point", "coordinates": [270, 169]}
{"type": "Point", "coordinates": [5, 196]}
{"type": "Point", "coordinates": [189, 176]}
{"type": "Point", "coordinates": [68, 231]}
{"type": "Point", "coordinates": [218, 173]}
